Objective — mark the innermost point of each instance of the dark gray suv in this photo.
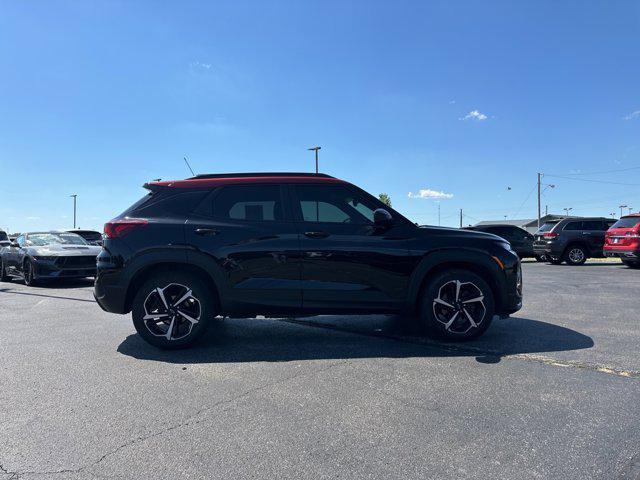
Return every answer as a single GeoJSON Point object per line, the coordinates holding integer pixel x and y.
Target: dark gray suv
{"type": "Point", "coordinates": [572, 240]}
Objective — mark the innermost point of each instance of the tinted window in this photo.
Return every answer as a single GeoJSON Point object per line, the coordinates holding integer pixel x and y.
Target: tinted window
{"type": "Point", "coordinates": [3, 236]}
{"type": "Point", "coordinates": [333, 204]}
{"type": "Point", "coordinates": [248, 202]}
{"type": "Point", "coordinates": [573, 226]}
{"type": "Point", "coordinates": [52, 238]}
{"type": "Point", "coordinates": [627, 222]}
{"type": "Point", "coordinates": [167, 205]}
{"type": "Point", "coordinates": [593, 225]}
{"type": "Point", "coordinates": [547, 226]}
{"type": "Point", "coordinates": [20, 240]}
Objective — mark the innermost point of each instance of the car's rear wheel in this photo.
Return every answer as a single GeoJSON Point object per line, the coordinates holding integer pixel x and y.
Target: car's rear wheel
{"type": "Point", "coordinates": [29, 273]}
{"type": "Point", "coordinates": [631, 264]}
{"type": "Point", "coordinates": [456, 305]}
{"type": "Point", "coordinates": [575, 255]}
{"type": "Point", "coordinates": [172, 310]}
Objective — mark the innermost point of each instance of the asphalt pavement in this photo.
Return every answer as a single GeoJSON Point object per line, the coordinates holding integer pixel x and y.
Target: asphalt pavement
{"type": "Point", "coordinates": [549, 393]}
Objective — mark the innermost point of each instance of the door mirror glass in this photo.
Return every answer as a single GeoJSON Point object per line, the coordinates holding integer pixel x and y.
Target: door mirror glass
{"type": "Point", "coordinates": [382, 218]}
{"type": "Point", "coordinates": [15, 245]}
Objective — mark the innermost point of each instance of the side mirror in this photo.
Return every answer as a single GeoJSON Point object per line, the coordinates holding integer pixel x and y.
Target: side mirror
{"type": "Point", "coordinates": [15, 245]}
{"type": "Point", "coordinates": [382, 218]}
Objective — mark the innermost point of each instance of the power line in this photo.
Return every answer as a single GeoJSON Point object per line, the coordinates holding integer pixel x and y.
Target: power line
{"type": "Point", "coordinates": [600, 172]}
{"type": "Point", "coordinates": [525, 201]}
{"type": "Point", "coordinates": [593, 181]}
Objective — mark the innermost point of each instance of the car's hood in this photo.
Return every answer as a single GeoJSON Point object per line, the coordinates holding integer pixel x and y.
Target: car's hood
{"type": "Point", "coordinates": [57, 250]}
{"type": "Point", "coordinates": [460, 232]}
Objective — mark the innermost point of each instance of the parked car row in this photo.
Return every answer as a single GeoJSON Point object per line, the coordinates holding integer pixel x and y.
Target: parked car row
{"type": "Point", "coordinates": [36, 256]}
{"type": "Point", "coordinates": [574, 240]}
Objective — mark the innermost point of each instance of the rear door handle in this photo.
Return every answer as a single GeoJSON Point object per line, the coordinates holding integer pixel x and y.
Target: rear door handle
{"type": "Point", "coordinates": [317, 234]}
{"type": "Point", "coordinates": [586, 233]}
{"type": "Point", "coordinates": [206, 232]}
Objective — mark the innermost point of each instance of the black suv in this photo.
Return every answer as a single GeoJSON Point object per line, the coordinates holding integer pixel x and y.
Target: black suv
{"type": "Point", "coordinates": [290, 244]}
{"type": "Point", "coordinates": [572, 240]}
{"type": "Point", "coordinates": [521, 241]}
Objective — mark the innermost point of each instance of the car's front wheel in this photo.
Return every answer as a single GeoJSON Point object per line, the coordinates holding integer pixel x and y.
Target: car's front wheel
{"type": "Point", "coordinates": [29, 272]}
{"type": "Point", "coordinates": [457, 305]}
{"type": "Point", "coordinates": [3, 272]}
{"type": "Point", "coordinates": [172, 310]}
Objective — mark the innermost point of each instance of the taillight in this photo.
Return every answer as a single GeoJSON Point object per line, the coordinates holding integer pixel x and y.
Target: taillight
{"type": "Point", "coordinates": [119, 228]}
{"type": "Point", "coordinates": [550, 235]}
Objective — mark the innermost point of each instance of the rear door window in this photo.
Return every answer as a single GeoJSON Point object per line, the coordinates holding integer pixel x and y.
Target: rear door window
{"type": "Point", "coordinates": [180, 204]}
{"type": "Point", "coordinates": [595, 225]}
{"type": "Point", "coordinates": [252, 203]}
{"type": "Point", "coordinates": [573, 226]}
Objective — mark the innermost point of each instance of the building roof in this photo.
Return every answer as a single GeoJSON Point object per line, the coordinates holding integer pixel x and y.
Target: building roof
{"type": "Point", "coordinates": [214, 180]}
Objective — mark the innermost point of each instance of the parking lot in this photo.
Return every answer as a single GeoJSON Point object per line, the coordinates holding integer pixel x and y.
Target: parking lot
{"type": "Point", "coordinates": [550, 393]}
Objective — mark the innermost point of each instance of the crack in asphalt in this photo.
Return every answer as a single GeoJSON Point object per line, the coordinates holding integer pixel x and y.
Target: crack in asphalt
{"type": "Point", "coordinates": [476, 351]}
{"type": "Point", "coordinates": [190, 420]}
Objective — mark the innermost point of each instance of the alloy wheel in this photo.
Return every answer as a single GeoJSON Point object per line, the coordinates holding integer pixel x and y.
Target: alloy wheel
{"type": "Point", "coordinates": [171, 312]}
{"type": "Point", "coordinates": [28, 273]}
{"type": "Point", "coordinates": [576, 255]}
{"type": "Point", "coordinates": [459, 306]}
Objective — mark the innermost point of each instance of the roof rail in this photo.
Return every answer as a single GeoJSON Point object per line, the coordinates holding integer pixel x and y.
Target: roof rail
{"type": "Point", "coordinates": [259, 174]}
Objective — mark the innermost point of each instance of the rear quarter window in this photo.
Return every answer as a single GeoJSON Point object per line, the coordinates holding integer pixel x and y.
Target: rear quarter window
{"type": "Point", "coordinates": [169, 204]}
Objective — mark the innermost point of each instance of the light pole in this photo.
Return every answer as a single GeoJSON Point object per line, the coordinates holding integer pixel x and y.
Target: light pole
{"type": "Point", "coordinates": [74, 196]}
{"type": "Point", "coordinates": [316, 150]}
{"type": "Point", "coordinates": [630, 209]}
{"type": "Point", "coordinates": [567, 210]}
{"type": "Point", "coordinates": [621, 207]}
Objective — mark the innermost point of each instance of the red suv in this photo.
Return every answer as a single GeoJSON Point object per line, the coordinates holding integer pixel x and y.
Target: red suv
{"type": "Point", "coordinates": [623, 240]}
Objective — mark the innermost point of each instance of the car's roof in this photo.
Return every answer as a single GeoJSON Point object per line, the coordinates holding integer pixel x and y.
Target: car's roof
{"type": "Point", "coordinates": [81, 230]}
{"type": "Point", "coordinates": [579, 219]}
{"type": "Point", "coordinates": [494, 225]}
{"type": "Point", "coordinates": [214, 180]}
{"type": "Point", "coordinates": [631, 215]}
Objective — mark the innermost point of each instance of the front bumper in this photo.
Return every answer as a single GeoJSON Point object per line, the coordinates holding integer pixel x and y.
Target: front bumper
{"type": "Point", "coordinates": [53, 269]}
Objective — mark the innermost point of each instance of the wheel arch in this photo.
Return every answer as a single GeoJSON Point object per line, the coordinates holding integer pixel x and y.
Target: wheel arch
{"type": "Point", "coordinates": [479, 263]}
{"type": "Point", "coordinates": [148, 270]}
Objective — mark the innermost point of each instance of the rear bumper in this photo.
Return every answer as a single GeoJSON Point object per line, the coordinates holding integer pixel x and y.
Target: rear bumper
{"type": "Point", "coordinates": [625, 253]}
{"type": "Point", "coordinates": [548, 250]}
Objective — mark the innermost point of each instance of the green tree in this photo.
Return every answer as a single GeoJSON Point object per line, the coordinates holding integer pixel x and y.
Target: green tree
{"type": "Point", "coordinates": [386, 199]}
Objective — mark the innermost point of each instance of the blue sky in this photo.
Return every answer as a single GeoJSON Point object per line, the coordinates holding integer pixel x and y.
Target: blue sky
{"type": "Point", "coordinates": [462, 98]}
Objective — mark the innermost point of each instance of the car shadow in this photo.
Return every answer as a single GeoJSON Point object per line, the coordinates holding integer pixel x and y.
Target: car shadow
{"type": "Point", "coordinates": [342, 337]}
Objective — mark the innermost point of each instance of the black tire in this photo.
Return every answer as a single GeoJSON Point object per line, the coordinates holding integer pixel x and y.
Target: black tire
{"type": "Point", "coordinates": [575, 255]}
{"type": "Point", "coordinates": [434, 316]}
{"type": "Point", "coordinates": [28, 271]}
{"type": "Point", "coordinates": [540, 258]}
{"type": "Point", "coordinates": [3, 274]}
{"type": "Point", "coordinates": [554, 262]}
{"type": "Point", "coordinates": [185, 333]}
{"type": "Point", "coordinates": [631, 264]}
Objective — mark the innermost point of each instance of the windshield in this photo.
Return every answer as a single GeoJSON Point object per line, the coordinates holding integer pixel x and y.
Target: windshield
{"type": "Point", "coordinates": [546, 226]}
{"type": "Point", "coordinates": [42, 239]}
{"type": "Point", "coordinates": [626, 222]}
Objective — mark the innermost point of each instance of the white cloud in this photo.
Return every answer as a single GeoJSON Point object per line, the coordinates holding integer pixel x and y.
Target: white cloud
{"type": "Point", "coordinates": [33, 218]}
{"type": "Point", "coordinates": [633, 115]}
{"type": "Point", "coordinates": [432, 194]}
{"type": "Point", "coordinates": [475, 115]}
{"type": "Point", "coordinates": [206, 66]}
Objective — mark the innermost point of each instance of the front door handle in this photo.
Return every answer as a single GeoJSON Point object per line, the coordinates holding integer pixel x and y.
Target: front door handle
{"type": "Point", "coordinates": [317, 234]}
{"type": "Point", "coordinates": [586, 233]}
{"type": "Point", "coordinates": [206, 232]}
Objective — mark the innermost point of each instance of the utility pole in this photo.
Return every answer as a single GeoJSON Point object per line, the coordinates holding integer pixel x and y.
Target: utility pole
{"type": "Point", "coordinates": [438, 213]}
{"type": "Point", "coordinates": [546, 210]}
{"type": "Point", "coordinates": [460, 218]}
{"type": "Point", "coordinates": [630, 208]}
{"type": "Point", "coordinates": [539, 178]}
{"type": "Point", "coordinates": [74, 196]}
{"type": "Point", "coordinates": [316, 150]}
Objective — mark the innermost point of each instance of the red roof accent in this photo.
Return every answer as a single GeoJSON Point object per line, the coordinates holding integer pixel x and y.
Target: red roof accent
{"type": "Point", "coordinates": [214, 182]}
